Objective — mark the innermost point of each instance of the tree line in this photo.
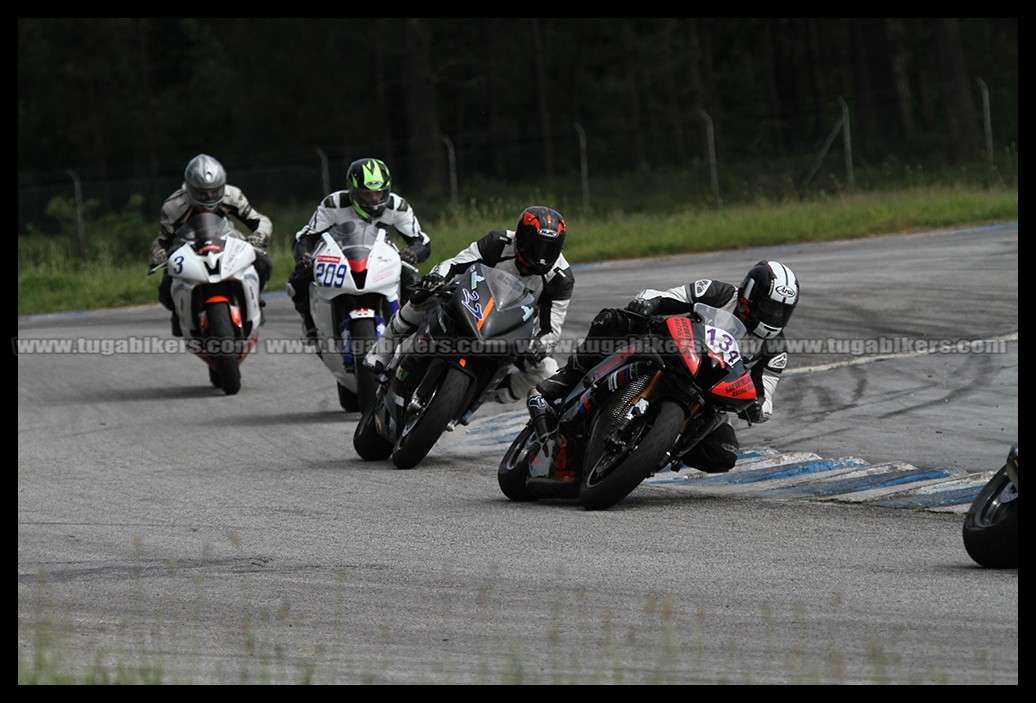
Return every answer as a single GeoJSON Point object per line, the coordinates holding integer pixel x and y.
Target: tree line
{"type": "Point", "coordinates": [506, 99]}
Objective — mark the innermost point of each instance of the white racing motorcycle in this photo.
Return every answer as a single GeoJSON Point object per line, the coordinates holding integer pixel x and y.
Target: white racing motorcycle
{"type": "Point", "coordinates": [355, 290]}
{"type": "Point", "coordinates": [215, 292]}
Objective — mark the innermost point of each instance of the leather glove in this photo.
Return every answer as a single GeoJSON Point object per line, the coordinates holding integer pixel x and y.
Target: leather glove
{"type": "Point", "coordinates": [532, 356]}
{"type": "Point", "coordinates": [755, 413]}
{"type": "Point", "coordinates": [426, 286]}
{"type": "Point", "coordinates": [409, 255]}
{"type": "Point", "coordinates": [430, 281]}
{"type": "Point", "coordinates": [257, 240]}
{"type": "Point", "coordinates": [159, 257]}
{"type": "Point", "coordinates": [643, 306]}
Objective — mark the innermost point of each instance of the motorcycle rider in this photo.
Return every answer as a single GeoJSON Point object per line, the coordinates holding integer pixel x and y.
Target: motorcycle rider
{"type": "Point", "coordinates": [367, 197]}
{"type": "Point", "coordinates": [205, 189]}
{"type": "Point", "coordinates": [532, 252]}
{"type": "Point", "coordinates": [764, 302]}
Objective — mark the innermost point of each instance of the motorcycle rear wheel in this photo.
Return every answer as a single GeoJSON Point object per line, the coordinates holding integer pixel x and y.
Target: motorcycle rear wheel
{"type": "Point", "coordinates": [221, 329]}
{"type": "Point", "coordinates": [348, 400]}
{"type": "Point", "coordinates": [615, 474]}
{"type": "Point", "coordinates": [421, 430]}
{"type": "Point", "coordinates": [514, 468]}
{"type": "Point", "coordinates": [991, 526]}
{"type": "Point", "coordinates": [370, 445]}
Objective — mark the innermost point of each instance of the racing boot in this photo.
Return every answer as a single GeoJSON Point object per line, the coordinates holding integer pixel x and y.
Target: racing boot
{"type": "Point", "coordinates": [381, 352]}
{"type": "Point", "coordinates": [554, 388]}
{"type": "Point", "coordinates": [174, 322]}
{"type": "Point", "coordinates": [504, 394]}
{"type": "Point", "coordinates": [543, 398]}
{"type": "Point", "coordinates": [309, 328]}
{"type": "Point", "coordinates": [299, 281]}
{"type": "Point", "coordinates": [541, 415]}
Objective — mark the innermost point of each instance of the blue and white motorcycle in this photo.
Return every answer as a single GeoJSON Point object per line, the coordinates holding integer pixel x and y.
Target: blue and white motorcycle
{"type": "Point", "coordinates": [355, 290]}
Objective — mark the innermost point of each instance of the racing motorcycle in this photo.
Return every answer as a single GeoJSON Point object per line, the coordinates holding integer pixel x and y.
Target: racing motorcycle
{"type": "Point", "coordinates": [991, 524]}
{"type": "Point", "coordinates": [635, 413]}
{"type": "Point", "coordinates": [355, 290]}
{"type": "Point", "coordinates": [215, 292]}
{"type": "Point", "coordinates": [450, 366]}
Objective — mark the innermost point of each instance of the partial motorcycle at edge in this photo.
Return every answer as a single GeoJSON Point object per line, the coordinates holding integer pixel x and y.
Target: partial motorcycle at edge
{"type": "Point", "coordinates": [990, 528]}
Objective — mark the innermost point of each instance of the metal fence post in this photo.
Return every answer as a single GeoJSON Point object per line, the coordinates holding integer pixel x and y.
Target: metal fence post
{"type": "Point", "coordinates": [451, 155]}
{"type": "Point", "coordinates": [325, 172]}
{"type": "Point", "coordinates": [80, 227]}
{"type": "Point", "coordinates": [988, 129]}
{"type": "Point", "coordinates": [584, 169]}
{"type": "Point", "coordinates": [848, 145]}
{"type": "Point", "coordinates": [713, 172]}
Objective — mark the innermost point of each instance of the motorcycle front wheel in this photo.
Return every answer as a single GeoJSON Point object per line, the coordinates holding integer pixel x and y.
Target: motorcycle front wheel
{"type": "Point", "coordinates": [364, 336]}
{"type": "Point", "coordinates": [223, 351]}
{"type": "Point", "coordinates": [991, 525]}
{"type": "Point", "coordinates": [625, 461]}
{"type": "Point", "coordinates": [425, 423]}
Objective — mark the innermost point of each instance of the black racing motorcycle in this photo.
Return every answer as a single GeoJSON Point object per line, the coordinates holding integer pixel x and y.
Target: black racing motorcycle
{"type": "Point", "coordinates": [635, 413]}
{"type": "Point", "coordinates": [991, 524]}
{"type": "Point", "coordinates": [449, 367]}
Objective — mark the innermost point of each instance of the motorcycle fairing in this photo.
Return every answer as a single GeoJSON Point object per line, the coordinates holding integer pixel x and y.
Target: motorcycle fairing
{"type": "Point", "coordinates": [721, 347]}
{"type": "Point", "coordinates": [549, 462]}
{"type": "Point", "coordinates": [741, 388]}
{"type": "Point", "coordinates": [681, 329]}
{"type": "Point", "coordinates": [490, 303]}
{"type": "Point", "coordinates": [355, 263]}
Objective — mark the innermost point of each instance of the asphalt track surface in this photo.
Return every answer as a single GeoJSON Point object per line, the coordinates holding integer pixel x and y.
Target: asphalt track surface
{"type": "Point", "coordinates": [165, 527]}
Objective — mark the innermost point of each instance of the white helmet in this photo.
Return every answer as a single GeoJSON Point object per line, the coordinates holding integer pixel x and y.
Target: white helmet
{"type": "Point", "coordinates": [767, 297]}
{"type": "Point", "coordinates": [206, 182]}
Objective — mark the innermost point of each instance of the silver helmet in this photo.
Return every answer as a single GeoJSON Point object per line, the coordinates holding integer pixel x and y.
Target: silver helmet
{"type": "Point", "coordinates": [206, 181]}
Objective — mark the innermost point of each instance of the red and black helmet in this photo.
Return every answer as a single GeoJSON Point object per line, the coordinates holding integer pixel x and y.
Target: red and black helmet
{"type": "Point", "coordinates": [539, 237]}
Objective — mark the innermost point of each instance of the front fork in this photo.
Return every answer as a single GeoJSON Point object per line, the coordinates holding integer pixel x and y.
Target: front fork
{"type": "Point", "coordinates": [638, 409]}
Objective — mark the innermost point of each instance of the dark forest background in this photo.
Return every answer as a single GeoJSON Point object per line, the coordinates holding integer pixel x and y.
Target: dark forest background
{"type": "Point", "coordinates": [286, 103]}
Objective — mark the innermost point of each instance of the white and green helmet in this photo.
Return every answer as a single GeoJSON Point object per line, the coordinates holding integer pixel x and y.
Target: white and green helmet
{"type": "Point", "coordinates": [369, 186]}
